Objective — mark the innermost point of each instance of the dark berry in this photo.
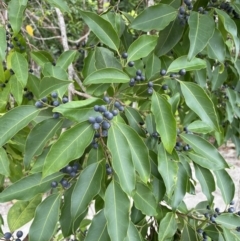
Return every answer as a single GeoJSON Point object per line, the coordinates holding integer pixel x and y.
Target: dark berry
{"type": "Point", "coordinates": [200, 230]}
{"type": "Point", "coordinates": [232, 202]}
{"type": "Point", "coordinates": [7, 235]}
{"type": "Point", "coordinates": [96, 126]}
{"type": "Point", "coordinates": [54, 184]}
{"type": "Point", "coordinates": [200, 9]}
{"type": "Point", "coordinates": [64, 99]}
{"type": "Point", "coordinates": [231, 209]}
{"type": "Point", "coordinates": [121, 108]}
{"type": "Point", "coordinates": [131, 64]}
{"type": "Point", "coordinates": [11, 72]}
{"type": "Point", "coordinates": [104, 133]}
{"type": "Point", "coordinates": [204, 235]}
{"type": "Point", "coordinates": [65, 183]}
{"type": "Point", "coordinates": [99, 119]}
{"type": "Point", "coordinates": [106, 125]}
{"type": "Point", "coordinates": [238, 213]}
{"type": "Point", "coordinates": [56, 115]}
{"type": "Point", "coordinates": [117, 104]}
{"type": "Point", "coordinates": [38, 104]}
{"type": "Point", "coordinates": [109, 116]}
{"type": "Point", "coordinates": [18, 239]}
{"type": "Point", "coordinates": [188, 2]}
{"type": "Point", "coordinates": [190, 7]}
{"type": "Point", "coordinates": [106, 99]}
{"type": "Point", "coordinates": [217, 210]}
{"type": "Point", "coordinates": [142, 77]}
{"type": "Point", "coordinates": [73, 174]}
{"type": "Point", "coordinates": [212, 219]}
{"type": "Point", "coordinates": [206, 215]}
{"type": "Point", "coordinates": [124, 55]}
{"type": "Point", "coordinates": [186, 129]}
{"type": "Point", "coordinates": [109, 170]}
{"type": "Point", "coordinates": [91, 119]}
{"type": "Point", "coordinates": [95, 145]}
{"type": "Point", "coordinates": [182, 10]}
{"type": "Point", "coordinates": [44, 99]}
{"type": "Point", "coordinates": [30, 71]}
{"type": "Point", "coordinates": [163, 72]}
{"type": "Point", "coordinates": [114, 112]}
{"type": "Point", "coordinates": [54, 94]}
{"type": "Point", "coordinates": [139, 72]}
{"type": "Point", "coordinates": [9, 25]}
{"type": "Point", "coordinates": [238, 229]}
{"type": "Point", "coordinates": [96, 135]}
{"type": "Point", "coordinates": [215, 215]}
{"type": "Point", "coordinates": [150, 84]}
{"type": "Point", "coordinates": [155, 134]}
{"type": "Point", "coordinates": [150, 90]}
{"type": "Point", "coordinates": [75, 167]}
{"type": "Point", "coordinates": [182, 72]}
{"type": "Point", "coordinates": [96, 108]}
{"type": "Point", "coordinates": [55, 103]}
{"type": "Point", "coordinates": [69, 169]}
{"type": "Point", "coordinates": [164, 87]}
{"type": "Point", "coordinates": [138, 78]}
{"type": "Point", "coordinates": [102, 108]}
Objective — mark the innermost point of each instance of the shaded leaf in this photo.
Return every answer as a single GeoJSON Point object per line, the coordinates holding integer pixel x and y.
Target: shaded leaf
{"type": "Point", "coordinates": [61, 4]}
{"type": "Point", "coordinates": [3, 43]}
{"type": "Point", "coordinates": [133, 233]}
{"type": "Point", "coordinates": [4, 163]}
{"type": "Point", "coordinates": [199, 127]}
{"type": "Point", "coordinates": [16, 89]}
{"type": "Point", "coordinates": [66, 58]}
{"type": "Point", "coordinates": [153, 65]}
{"type": "Point", "coordinates": [228, 220]}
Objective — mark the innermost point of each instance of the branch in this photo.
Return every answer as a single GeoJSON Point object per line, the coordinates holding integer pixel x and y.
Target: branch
{"type": "Point", "coordinates": [80, 39]}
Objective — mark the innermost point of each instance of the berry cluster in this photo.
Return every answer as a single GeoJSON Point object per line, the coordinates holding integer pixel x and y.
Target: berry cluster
{"type": "Point", "coordinates": [183, 16]}
{"type": "Point", "coordinates": [8, 235]}
{"type": "Point", "coordinates": [229, 9]}
{"type": "Point", "coordinates": [139, 77]}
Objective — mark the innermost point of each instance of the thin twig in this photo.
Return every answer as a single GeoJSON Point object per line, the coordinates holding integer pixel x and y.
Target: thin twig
{"type": "Point", "coordinates": [80, 39]}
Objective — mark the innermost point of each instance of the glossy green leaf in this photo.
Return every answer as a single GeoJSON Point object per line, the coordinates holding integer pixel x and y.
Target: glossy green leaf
{"type": "Point", "coordinates": [167, 227]}
{"type": "Point", "coordinates": [216, 47]}
{"type": "Point", "coordinates": [141, 47]}
{"type": "Point", "coordinates": [201, 29]}
{"type": "Point", "coordinates": [61, 4]}
{"type": "Point", "coordinates": [49, 70]}
{"type": "Point", "coordinates": [4, 163]}
{"type": "Point", "coordinates": [98, 229]}
{"type": "Point", "coordinates": [168, 169]}
{"type": "Point", "coordinates": [20, 67]}
{"type": "Point", "coordinates": [102, 29]}
{"type": "Point", "coordinates": [228, 220]}
{"type": "Point", "coordinates": [226, 185]}
{"type": "Point", "coordinates": [28, 187]}
{"type": "Point", "coordinates": [68, 147]}
{"type": "Point", "coordinates": [181, 187]}
{"type": "Point", "coordinates": [89, 64]}
{"type": "Point", "coordinates": [15, 120]}
{"type": "Point", "coordinates": [40, 57]}
{"type": "Point", "coordinates": [15, 15]}
{"type": "Point", "coordinates": [144, 200]}
{"type": "Point", "coordinates": [188, 233]}
{"type": "Point", "coordinates": [199, 127]}
{"type": "Point", "coordinates": [230, 27]}
{"type": "Point", "coordinates": [198, 101]}
{"type": "Point", "coordinates": [66, 58]}
{"type": "Point", "coordinates": [183, 63]}
{"type": "Point", "coordinates": [232, 235]}
{"type": "Point", "coordinates": [16, 89]}
{"type": "Point", "coordinates": [206, 181]}
{"type": "Point", "coordinates": [117, 207]}
{"type": "Point", "coordinates": [200, 77]}
{"type": "Point", "coordinates": [165, 121]}
{"type": "Point", "coordinates": [107, 75]}
{"type": "Point", "coordinates": [133, 233]}
{"type": "Point", "coordinates": [206, 150]}
{"type": "Point", "coordinates": [46, 218]}
{"type": "Point", "coordinates": [49, 84]}
{"type": "Point", "coordinates": [33, 84]}
{"type": "Point", "coordinates": [86, 188]}
{"type": "Point", "coordinates": [153, 65]}
{"type": "Point", "coordinates": [38, 137]}
{"type": "Point", "coordinates": [154, 18]}
{"type": "Point", "coordinates": [3, 43]}
{"type": "Point", "coordinates": [22, 212]}
{"type": "Point", "coordinates": [169, 37]}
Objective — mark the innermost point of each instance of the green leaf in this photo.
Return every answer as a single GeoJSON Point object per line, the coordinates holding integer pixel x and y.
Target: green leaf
{"type": "Point", "coordinates": [144, 200]}
{"type": "Point", "coordinates": [49, 70]}
{"type": "Point", "coordinates": [213, 159]}
{"type": "Point", "coordinates": [183, 63]}
{"type": "Point", "coordinates": [206, 181]}
{"type": "Point", "coordinates": [168, 169]}
{"type": "Point", "coordinates": [66, 58]}
{"type": "Point", "coordinates": [33, 84]}
{"type": "Point", "coordinates": [41, 57]}
{"type": "Point", "coordinates": [20, 67]}
{"type": "Point", "coordinates": [134, 118]}
{"type": "Point", "coordinates": [46, 218]}
{"type": "Point", "coordinates": [15, 15]}
{"type": "Point", "coordinates": [230, 27]}
{"type": "Point", "coordinates": [188, 233]}
{"type": "Point", "coordinates": [61, 4]}
{"type": "Point", "coordinates": [138, 150]}
{"type": "Point", "coordinates": [153, 65]}
{"type": "Point", "coordinates": [49, 84]}
{"type": "Point", "coordinates": [16, 89]}
{"type": "Point", "coordinates": [68, 147]}
{"type": "Point", "coordinates": [28, 187]}
{"type": "Point", "coordinates": [22, 212]}
{"type": "Point", "coordinates": [165, 121]}
{"type": "Point", "coordinates": [4, 163]}
{"type": "Point", "coordinates": [228, 220]}
{"type": "Point", "coordinates": [198, 101]}
{"type": "Point", "coordinates": [201, 29]}
{"type": "Point", "coordinates": [167, 227]}
{"type": "Point", "coordinates": [117, 207]}
{"type": "Point", "coordinates": [104, 58]}
{"type": "Point", "coordinates": [102, 29]}
{"type": "Point", "coordinates": [3, 43]}
{"type": "Point", "coordinates": [169, 37]}
{"type": "Point", "coordinates": [107, 75]}
{"type": "Point", "coordinates": [232, 235]}
{"type": "Point", "coordinates": [199, 127]}
{"type": "Point", "coordinates": [121, 159]}
{"type": "Point", "coordinates": [38, 137]}
{"type": "Point", "coordinates": [86, 188]}
{"type": "Point", "coordinates": [133, 233]}
{"type": "Point", "coordinates": [154, 18]}
{"type": "Point", "coordinates": [216, 47]}
{"type": "Point", "coordinates": [98, 229]}
{"type": "Point", "coordinates": [15, 120]}
{"type": "Point", "coordinates": [141, 47]}
{"type": "Point", "coordinates": [89, 64]}
{"type": "Point", "coordinates": [226, 185]}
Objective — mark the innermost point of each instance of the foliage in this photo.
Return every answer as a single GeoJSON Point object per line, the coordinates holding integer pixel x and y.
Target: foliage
{"type": "Point", "coordinates": [120, 135]}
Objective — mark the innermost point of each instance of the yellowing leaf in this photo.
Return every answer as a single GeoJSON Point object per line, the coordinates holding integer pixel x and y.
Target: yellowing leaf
{"type": "Point", "coordinates": [29, 30]}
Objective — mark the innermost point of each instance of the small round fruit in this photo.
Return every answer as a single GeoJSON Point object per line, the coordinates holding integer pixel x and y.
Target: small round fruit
{"type": "Point", "coordinates": [96, 126]}
{"type": "Point", "coordinates": [231, 209]}
{"type": "Point", "coordinates": [182, 72]}
{"type": "Point", "coordinates": [109, 170]}
{"type": "Point", "coordinates": [106, 125]}
{"type": "Point", "coordinates": [150, 84]}
{"type": "Point", "coordinates": [54, 184]}
{"type": "Point", "coordinates": [109, 116]}
{"type": "Point", "coordinates": [238, 229]}
{"type": "Point", "coordinates": [121, 108]}
{"type": "Point", "coordinates": [19, 234]}
{"type": "Point", "coordinates": [65, 99]}
{"type": "Point", "coordinates": [138, 78]}
{"type": "Point", "coordinates": [114, 112]}
{"type": "Point", "coordinates": [99, 119]}
{"type": "Point", "coordinates": [73, 174]}
{"type": "Point", "coordinates": [102, 108]}
{"type": "Point", "coordinates": [7, 235]}
{"type": "Point", "coordinates": [124, 55]}
{"type": "Point", "coordinates": [139, 72]}
{"type": "Point", "coordinates": [150, 90]}
{"type": "Point", "coordinates": [181, 10]}
{"type": "Point", "coordinates": [38, 104]}
{"type": "Point", "coordinates": [117, 104]}
{"type": "Point", "coordinates": [65, 183]}
{"type": "Point", "coordinates": [96, 135]}
{"type": "Point", "coordinates": [44, 99]}
{"type": "Point", "coordinates": [200, 9]}
{"type": "Point", "coordinates": [91, 119]}
{"type": "Point", "coordinates": [142, 78]}
{"type": "Point", "coordinates": [104, 133]}
{"type": "Point", "coordinates": [131, 64]}
{"type": "Point", "coordinates": [232, 202]}
{"type": "Point", "coordinates": [95, 145]}
{"type": "Point", "coordinates": [163, 72]}
{"type": "Point", "coordinates": [217, 210]}
{"type": "Point", "coordinates": [55, 103]}
{"type": "Point", "coordinates": [106, 99]}
{"type": "Point", "coordinates": [69, 169]}
{"type": "Point", "coordinates": [56, 115]}
{"type": "Point", "coordinates": [54, 94]}
{"type": "Point", "coordinates": [164, 87]}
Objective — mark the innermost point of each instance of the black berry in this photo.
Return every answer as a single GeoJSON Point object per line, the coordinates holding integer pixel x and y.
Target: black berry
{"type": "Point", "coordinates": [106, 99]}
{"type": "Point", "coordinates": [91, 120]}
{"type": "Point", "coordinates": [164, 87]}
{"type": "Point", "coordinates": [131, 64]}
{"type": "Point", "coordinates": [96, 126]}
{"type": "Point", "coordinates": [65, 100]}
{"type": "Point", "coordinates": [124, 55]}
{"type": "Point", "coordinates": [54, 184]}
{"type": "Point", "coordinates": [99, 119]}
{"type": "Point", "coordinates": [38, 104]}
{"type": "Point", "coordinates": [56, 115]}
{"type": "Point", "coordinates": [54, 94]}
{"type": "Point", "coordinates": [163, 72]}
{"type": "Point", "coordinates": [7, 235]}
{"type": "Point", "coordinates": [182, 72]}
{"type": "Point", "coordinates": [150, 84]}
